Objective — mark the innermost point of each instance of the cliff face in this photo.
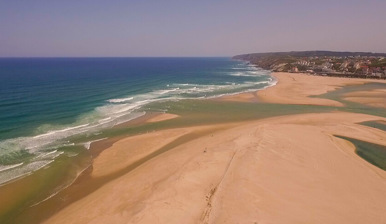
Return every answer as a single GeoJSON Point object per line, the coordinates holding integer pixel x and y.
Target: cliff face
{"type": "Point", "coordinates": [267, 61]}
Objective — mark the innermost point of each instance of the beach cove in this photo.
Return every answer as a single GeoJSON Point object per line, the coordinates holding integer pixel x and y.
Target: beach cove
{"type": "Point", "coordinates": [277, 155]}
{"type": "Point", "coordinates": [192, 112]}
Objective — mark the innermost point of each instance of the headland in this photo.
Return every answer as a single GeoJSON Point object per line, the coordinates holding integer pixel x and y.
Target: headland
{"type": "Point", "coordinates": [325, 63]}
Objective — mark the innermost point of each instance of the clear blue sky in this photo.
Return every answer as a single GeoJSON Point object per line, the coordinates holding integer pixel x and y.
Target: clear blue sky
{"type": "Point", "coordinates": [36, 28]}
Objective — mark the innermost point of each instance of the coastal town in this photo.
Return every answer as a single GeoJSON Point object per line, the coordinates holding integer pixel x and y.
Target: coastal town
{"type": "Point", "coordinates": [340, 64]}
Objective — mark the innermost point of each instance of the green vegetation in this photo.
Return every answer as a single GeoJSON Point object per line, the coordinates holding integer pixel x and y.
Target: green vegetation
{"type": "Point", "coordinates": [378, 63]}
{"type": "Point", "coordinates": [302, 68]}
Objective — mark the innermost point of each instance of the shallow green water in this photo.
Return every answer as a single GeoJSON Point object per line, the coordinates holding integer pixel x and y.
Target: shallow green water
{"type": "Point", "coordinates": [372, 153]}
{"type": "Point", "coordinates": [201, 112]}
{"type": "Point", "coordinates": [25, 193]}
{"type": "Point", "coordinates": [352, 106]}
{"type": "Point", "coordinates": [375, 124]}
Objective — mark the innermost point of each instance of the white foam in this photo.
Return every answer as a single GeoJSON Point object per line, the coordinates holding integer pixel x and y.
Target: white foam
{"type": "Point", "coordinates": [22, 170]}
{"type": "Point", "coordinates": [210, 89]}
{"type": "Point", "coordinates": [185, 84]}
{"type": "Point", "coordinates": [162, 92]}
{"type": "Point", "coordinates": [130, 107]}
{"type": "Point", "coordinates": [48, 155]}
{"type": "Point", "coordinates": [121, 100]}
{"type": "Point", "coordinates": [105, 120]}
{"type": "Point", "coordinates": [8, 167]}
{"type": "Point", "coordinates": [247, 74]}
{"type": "Point", "coordinates": [61, 130]}
{"type": "Point", "coordinates": [87, 145]}
{"type": "Point", "coordinates": [45, 154]}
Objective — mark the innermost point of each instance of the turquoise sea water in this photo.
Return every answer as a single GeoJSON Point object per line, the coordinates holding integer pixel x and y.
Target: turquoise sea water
{"type": "Point", "coordinates": [44, 102]}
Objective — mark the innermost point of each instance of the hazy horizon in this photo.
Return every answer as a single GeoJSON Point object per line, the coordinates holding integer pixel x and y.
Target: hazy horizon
{"type": "Point", "coordinates": [171, 56]}
{"type": "Point", "coordinates": [188, 29]}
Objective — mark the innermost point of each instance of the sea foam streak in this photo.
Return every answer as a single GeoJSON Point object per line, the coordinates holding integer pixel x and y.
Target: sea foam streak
{"type": "Point", "coordinates": [120, 100]}
{"type": "Point", "coordinates": [43, 146]}
{"type": "Point", "coordinates": [61, 130]}
{"type": "Point", "coordinates": [4, 168]}
{"type": "Point", "coordinates": [22, 170]}
{"type": "Point", "coordinates": [87, 145]}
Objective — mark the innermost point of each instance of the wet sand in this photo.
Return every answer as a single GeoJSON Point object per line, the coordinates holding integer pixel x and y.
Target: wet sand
{"type": "Point", "coordinates": [287, 169]}
{"type": "Point", "coordinates": [375, 98]}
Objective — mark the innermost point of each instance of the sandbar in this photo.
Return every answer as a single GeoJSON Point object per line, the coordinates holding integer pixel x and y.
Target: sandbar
{"type": "Point", "coordinates": [287, 169]}
{"type": "Point", "coordinates": [375, 98]}
{"type": "Point", "coordinates": [297, 88]}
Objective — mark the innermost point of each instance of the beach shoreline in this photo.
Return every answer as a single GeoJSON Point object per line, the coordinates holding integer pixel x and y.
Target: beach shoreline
{"type": "Point", "coordinates": [292, 89]}
{"type": "Point", "coordinates": [223, 172]}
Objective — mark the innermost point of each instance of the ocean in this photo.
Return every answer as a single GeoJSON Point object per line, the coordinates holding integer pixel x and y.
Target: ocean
{"type": "Point", "coordinates": [45, 102]}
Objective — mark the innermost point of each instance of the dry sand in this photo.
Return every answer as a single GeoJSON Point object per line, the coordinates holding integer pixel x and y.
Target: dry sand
{"type": "Point", "coordinates": [295, 88]}
{"type": "Point", "coordinates": [128, 150]}
{"type": "Point", "coordinates": [288, 169]}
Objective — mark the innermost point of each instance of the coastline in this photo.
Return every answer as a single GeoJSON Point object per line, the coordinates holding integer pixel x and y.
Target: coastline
{"type": "Point", "coordinates": [225, 172]}
{"type": "Point", "coordinates": [296, 88]}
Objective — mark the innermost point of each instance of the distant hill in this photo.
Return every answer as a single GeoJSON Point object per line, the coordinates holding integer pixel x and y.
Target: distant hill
{"type": "Point", "coordinates": [271, 59]}
{"type": "Point", "coordinates": [312, 54]}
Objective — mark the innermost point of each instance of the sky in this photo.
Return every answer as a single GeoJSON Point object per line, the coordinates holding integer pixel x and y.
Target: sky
{"type": "Point", "coordinates": [146, 28]}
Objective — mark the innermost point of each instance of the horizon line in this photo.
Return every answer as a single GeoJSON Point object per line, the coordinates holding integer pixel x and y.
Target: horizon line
{"type": "Point", "coordinates": [227, 56]}
{"type": "Point", "coordinates": [3, 57]}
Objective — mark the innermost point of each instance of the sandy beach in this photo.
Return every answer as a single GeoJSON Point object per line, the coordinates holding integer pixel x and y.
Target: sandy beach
{"type": "Point", "coordinates": [287, 169]}
{"type": "Point", "coordinates": [295, 88]}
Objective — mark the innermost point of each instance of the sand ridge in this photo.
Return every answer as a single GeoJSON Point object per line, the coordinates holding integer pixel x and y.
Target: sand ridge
{"type": "Point", "coordinates": [375, 98]}
{"type": "Point", "coordinates": [162, 117]}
